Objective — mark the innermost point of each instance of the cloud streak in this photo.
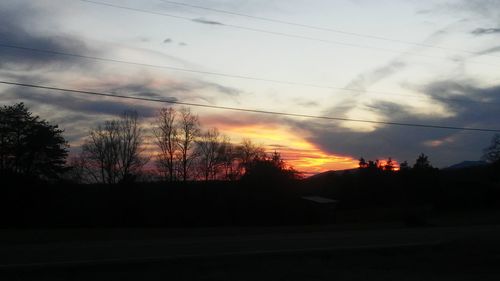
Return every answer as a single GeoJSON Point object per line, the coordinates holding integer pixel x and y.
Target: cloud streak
{"type": "Point", "coordinates": [205, 21]}
{"type": "Point", "coordinates": [485, 31]}
{"type": "Point", "coordinates": [489, 51]}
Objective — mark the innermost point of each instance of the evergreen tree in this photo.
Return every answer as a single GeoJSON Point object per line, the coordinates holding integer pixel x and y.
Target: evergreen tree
{"type": "Point", "coordinates": [422, 163]}
{"type": "Point", "coordinates": [492, 152]}
{"type": "Point", "coordinates": [29, 145]}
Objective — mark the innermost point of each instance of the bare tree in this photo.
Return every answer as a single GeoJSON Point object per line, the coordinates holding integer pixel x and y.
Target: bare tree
{"type": "Point", "coordinates": [131, 138]}
{"type": "Point", "coordinates": [113, 150]}
{"type": "Point", "coordinates": [189, 128]}
{"type": "Point", "coordinates": [248, 152]}
{"type": "Point", "coordinates": [211, 148]}
{"type": "Point", "coordinates": [228, 155]}
{"type": "Point", "coordinates": [166, 132]}
{"type": "Point", "coordinates": [99, 149]}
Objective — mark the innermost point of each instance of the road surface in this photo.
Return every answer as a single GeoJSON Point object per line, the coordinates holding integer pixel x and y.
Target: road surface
{"type": "Point", "coordinates": [46, 258]}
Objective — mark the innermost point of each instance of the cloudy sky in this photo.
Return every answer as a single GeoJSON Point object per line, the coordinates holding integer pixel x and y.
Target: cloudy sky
{"type": "Point", "coordinates": [425, 62]}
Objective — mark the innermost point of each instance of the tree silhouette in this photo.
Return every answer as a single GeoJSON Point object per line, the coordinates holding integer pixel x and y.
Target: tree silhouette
{"type": "Point", "coordinates": [113, 150]}
{"type": "Point", "coordinates": [30, 146]}
{"type": "Point", "coordinates": [189, 129]}
{"type": "Point", "coordinates": [362, 163]}
{"type": "Point", "coordinates": [248, 152]}
{"type": "Point", "coordinates": [277, 160]}
{"type": "Point", "coordinates": [211, 148]}
{"type": "Point", "coordinates": [422, 163]}
{"type": "Point", "coordinates": [389, 165]}
{"type": "Point", "coordinates": [372, 165]}
{"type": "Point", "coordinates": [491, 154]}
{"type": "Point", "coordinates": [166, 132]}
{"type": "Point", "coordinates": [269, 169]}
{"type": "Point", "coordinates": [404, 166]}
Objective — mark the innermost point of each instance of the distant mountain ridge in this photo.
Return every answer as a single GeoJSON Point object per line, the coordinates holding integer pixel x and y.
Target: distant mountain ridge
{"type": "Point", "coordinates": [332, 172]}
{"type": "Point", "coordinates": [466, 164]}
{"type": "Point", "coordinates": [461, 165]}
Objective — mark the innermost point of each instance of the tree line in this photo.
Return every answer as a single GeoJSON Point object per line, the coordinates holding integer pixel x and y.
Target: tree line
{"type": "Point", "coordinates": [114, 151]}
{"type": "Point", "coordinates": [421, 163]}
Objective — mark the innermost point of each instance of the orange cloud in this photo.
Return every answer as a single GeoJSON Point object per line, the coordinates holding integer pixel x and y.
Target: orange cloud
{"type": "Point", "coordinates": [295, 149]}
{"type": "Point", "coordinates": [395, 163]}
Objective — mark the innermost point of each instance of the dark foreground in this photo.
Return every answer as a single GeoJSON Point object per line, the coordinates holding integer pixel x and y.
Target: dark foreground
{"type": "Point", "coordinates": [325, 253]}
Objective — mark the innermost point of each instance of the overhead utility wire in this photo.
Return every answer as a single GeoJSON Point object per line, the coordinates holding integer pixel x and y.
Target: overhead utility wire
{"type": "Point", "coordinates": [247, 109]}
{"type": "Point", "coordinates": [277, 33]}
{"type": "Point", "coordinates": [339, 31]}
{"type": "Point", "coordinates": [228, 75]}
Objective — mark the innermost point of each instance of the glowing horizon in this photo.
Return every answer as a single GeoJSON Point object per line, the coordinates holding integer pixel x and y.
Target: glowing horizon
{"type": "Point", "coordinates": [295, 149]}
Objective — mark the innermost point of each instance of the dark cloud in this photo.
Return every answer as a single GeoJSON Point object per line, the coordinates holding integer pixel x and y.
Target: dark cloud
{"type": "Point", "coordinates": [76, 103]}
{"type": "Point", "coordinates": [13, 33]}
{"type": "Point", "coordinates": [138, 89]}
{"type": "Point", "coordinates": [444, 147]}
{"type": "Point", "coordinates": [223, 89]}
{"type": "Point", "coordinates": [168, 40]}
{"type": "Point", "coordinates": [153, 95]}
{"type": "Point", "coordinates": [187, 89]}
{"type": "Point", "coordinates": [204, 21]}
{"type": "Point", "coordinates": [458, 95]}
{"type": "Point", "coordinates": [476, 107]}
{"type": "Point", "coordinates": [484, 31]}
{"type": "Point", "coordinates": [75, 113]}
{"type": "Point", "coordinates": [277, 146]}
{"type": "Point", "coordinates": [484, 8]}
{"type": "Point", "coordinates": [488, 51]}
{"type": "Point", "coordinates": [225, 119]}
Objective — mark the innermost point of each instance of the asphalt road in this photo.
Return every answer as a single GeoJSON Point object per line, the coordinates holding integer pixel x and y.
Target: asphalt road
{"type": "Point", "coordinates": [83, 252]}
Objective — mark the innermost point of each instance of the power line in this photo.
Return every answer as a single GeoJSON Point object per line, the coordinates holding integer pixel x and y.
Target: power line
{"type": "Point", "coordinates": [275, 32]}
{"type": "Point", "coordinates": [249, 110]}
{"type": "Point", "coordinates": [339, 31]}
{"type": "Point", "coordinates": [228, 75]}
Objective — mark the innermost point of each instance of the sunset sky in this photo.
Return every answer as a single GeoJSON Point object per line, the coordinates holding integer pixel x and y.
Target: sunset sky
{"type": "Point", "coordinates": [425, 62]}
